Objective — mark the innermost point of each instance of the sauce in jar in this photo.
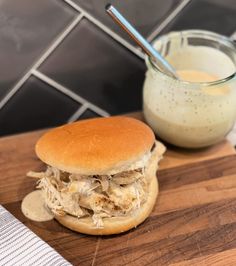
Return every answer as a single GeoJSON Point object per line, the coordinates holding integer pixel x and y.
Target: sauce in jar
{"type": "Point", "coordinates": [197, 110]}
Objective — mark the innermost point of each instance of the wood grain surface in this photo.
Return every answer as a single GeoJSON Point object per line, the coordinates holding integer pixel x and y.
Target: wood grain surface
{"type": "Point", "coordinates": [193, 223]}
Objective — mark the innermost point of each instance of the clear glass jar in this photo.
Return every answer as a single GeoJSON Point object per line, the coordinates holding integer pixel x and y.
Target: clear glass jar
{"type": "Point", "coordinates": [192, 114]}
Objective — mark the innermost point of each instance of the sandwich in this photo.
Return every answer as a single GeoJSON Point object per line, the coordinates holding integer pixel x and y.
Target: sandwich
{"type": "Point", "coordinates": [101, 174]}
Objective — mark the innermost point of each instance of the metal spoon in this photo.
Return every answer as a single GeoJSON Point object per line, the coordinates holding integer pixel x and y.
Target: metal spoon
{"type": "Point", "coordinates": [160, 62]}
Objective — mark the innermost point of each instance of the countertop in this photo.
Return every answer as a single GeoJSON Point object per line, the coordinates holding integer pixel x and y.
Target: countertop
{"type": "Point", "coordinates": [193, 222]}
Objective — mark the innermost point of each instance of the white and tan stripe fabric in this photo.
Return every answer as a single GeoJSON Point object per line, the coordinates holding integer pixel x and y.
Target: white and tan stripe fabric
{"type": "Point", "coordinates": [20, 246]}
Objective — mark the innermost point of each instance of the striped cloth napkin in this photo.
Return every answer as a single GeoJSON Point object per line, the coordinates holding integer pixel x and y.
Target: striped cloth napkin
{"type": "Point", "coordinates": [20, 246]}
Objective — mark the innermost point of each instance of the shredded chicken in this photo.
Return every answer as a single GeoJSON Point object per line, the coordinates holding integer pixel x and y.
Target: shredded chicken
{"type": "Point", "coordinates": [98, 196]}
{"type": "Point", "coordinates": [128, 177]}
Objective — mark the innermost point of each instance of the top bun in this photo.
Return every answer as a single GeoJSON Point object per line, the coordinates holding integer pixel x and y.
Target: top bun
{"type": "Point", "coordinates": [96, 146]}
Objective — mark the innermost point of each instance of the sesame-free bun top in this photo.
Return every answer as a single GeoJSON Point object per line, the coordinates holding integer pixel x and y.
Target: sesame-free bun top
{"type": "Point", "coordinates": [96, 146]}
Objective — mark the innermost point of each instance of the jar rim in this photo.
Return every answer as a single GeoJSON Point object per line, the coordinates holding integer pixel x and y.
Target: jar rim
{"type": "Point", "coordinates": [195, 33]}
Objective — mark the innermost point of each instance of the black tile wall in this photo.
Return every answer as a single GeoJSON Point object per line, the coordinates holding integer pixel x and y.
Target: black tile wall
{"type": "Point", "coordinates": [144, 15]}
{"type": "Point", "coordinates": [35, 105]}
{"type": "Point", "coordinates": [231, 4]}
{"type": "Point", "coordinates": [96, 67]}
{"type": "Point", "coordinates": [88, 114]}
{"type": "Point", "coordinates": [89, 63]}
{"type": "Point", "coordinates": [218, 16]}
{"type": "Point", "coordinates": [26, 29]}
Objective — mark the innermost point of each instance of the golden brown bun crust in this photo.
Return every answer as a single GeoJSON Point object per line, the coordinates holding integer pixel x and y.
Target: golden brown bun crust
{"type": "Point", "coordinates": [95, 146]}
{"type": "Point", "coordinates": [114, 225]}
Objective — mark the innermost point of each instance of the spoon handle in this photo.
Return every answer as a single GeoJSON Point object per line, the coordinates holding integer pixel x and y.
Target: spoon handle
{"type": "Point", "coordinates": [138, 38]}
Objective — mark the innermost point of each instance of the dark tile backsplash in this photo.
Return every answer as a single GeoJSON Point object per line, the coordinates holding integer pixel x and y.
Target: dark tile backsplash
{"type": "Point", "coordinates": [144, 15]}
{"type": "Point", "coordinates": [26, 29]}
{"type": "Point", "coordinates": [88, 114]}
{"type": "Point", "coordinates": [36, 105]}
{"type": "Point", "coordinates": [95, 66]}
{"type": "Point", "coordinates": [89, 68]}
{"type": "Point", "coordinates": [207, 15]}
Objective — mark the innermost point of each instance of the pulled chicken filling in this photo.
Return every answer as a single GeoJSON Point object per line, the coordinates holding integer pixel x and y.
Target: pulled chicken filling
{"type": "Point", "coordinates": [97, 196]}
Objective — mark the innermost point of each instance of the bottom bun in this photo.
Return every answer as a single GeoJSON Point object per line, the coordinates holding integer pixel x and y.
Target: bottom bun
{"type": "Point", "coordinates": [113, 225]}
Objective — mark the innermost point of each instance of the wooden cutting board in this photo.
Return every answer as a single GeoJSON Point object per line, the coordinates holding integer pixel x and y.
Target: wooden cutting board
{"type": "Point", "coordinates": [193, 223]}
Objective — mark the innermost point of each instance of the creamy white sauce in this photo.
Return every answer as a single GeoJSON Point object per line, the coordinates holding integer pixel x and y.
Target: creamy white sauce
{"type": "Point", "coordinates": [33, 207]}
{"type": "Point", "coordinates": [192, 115]}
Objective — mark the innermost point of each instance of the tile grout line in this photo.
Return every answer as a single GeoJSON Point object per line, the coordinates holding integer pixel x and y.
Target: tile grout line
{"type": "Point", "coordinates": [78, 113]}
{"type": "Point", "coordinates": [58, 41]}
{"type": "Point", "coordinates": [11, 93]}
{"type": "Point", "coordinates": [106, 29]}
{"type": "Point", "coordinates": [68, 92]}
{"type": "Point", "coordinates": [97, 110]}
{"type": "Point", "coordinates": [167, 20]}
{"type": "Point", "coordinates": [41, 59]}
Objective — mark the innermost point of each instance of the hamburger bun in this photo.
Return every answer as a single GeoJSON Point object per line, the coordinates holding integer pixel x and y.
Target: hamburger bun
{"type": "Point", "coordinates": [96, 146]}
{"type": "Point", "coordinates": [116, 225]}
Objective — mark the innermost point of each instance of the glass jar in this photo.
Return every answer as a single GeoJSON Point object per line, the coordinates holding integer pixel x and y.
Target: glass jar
{"type": "Point", "coordinates": [192, 114]}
